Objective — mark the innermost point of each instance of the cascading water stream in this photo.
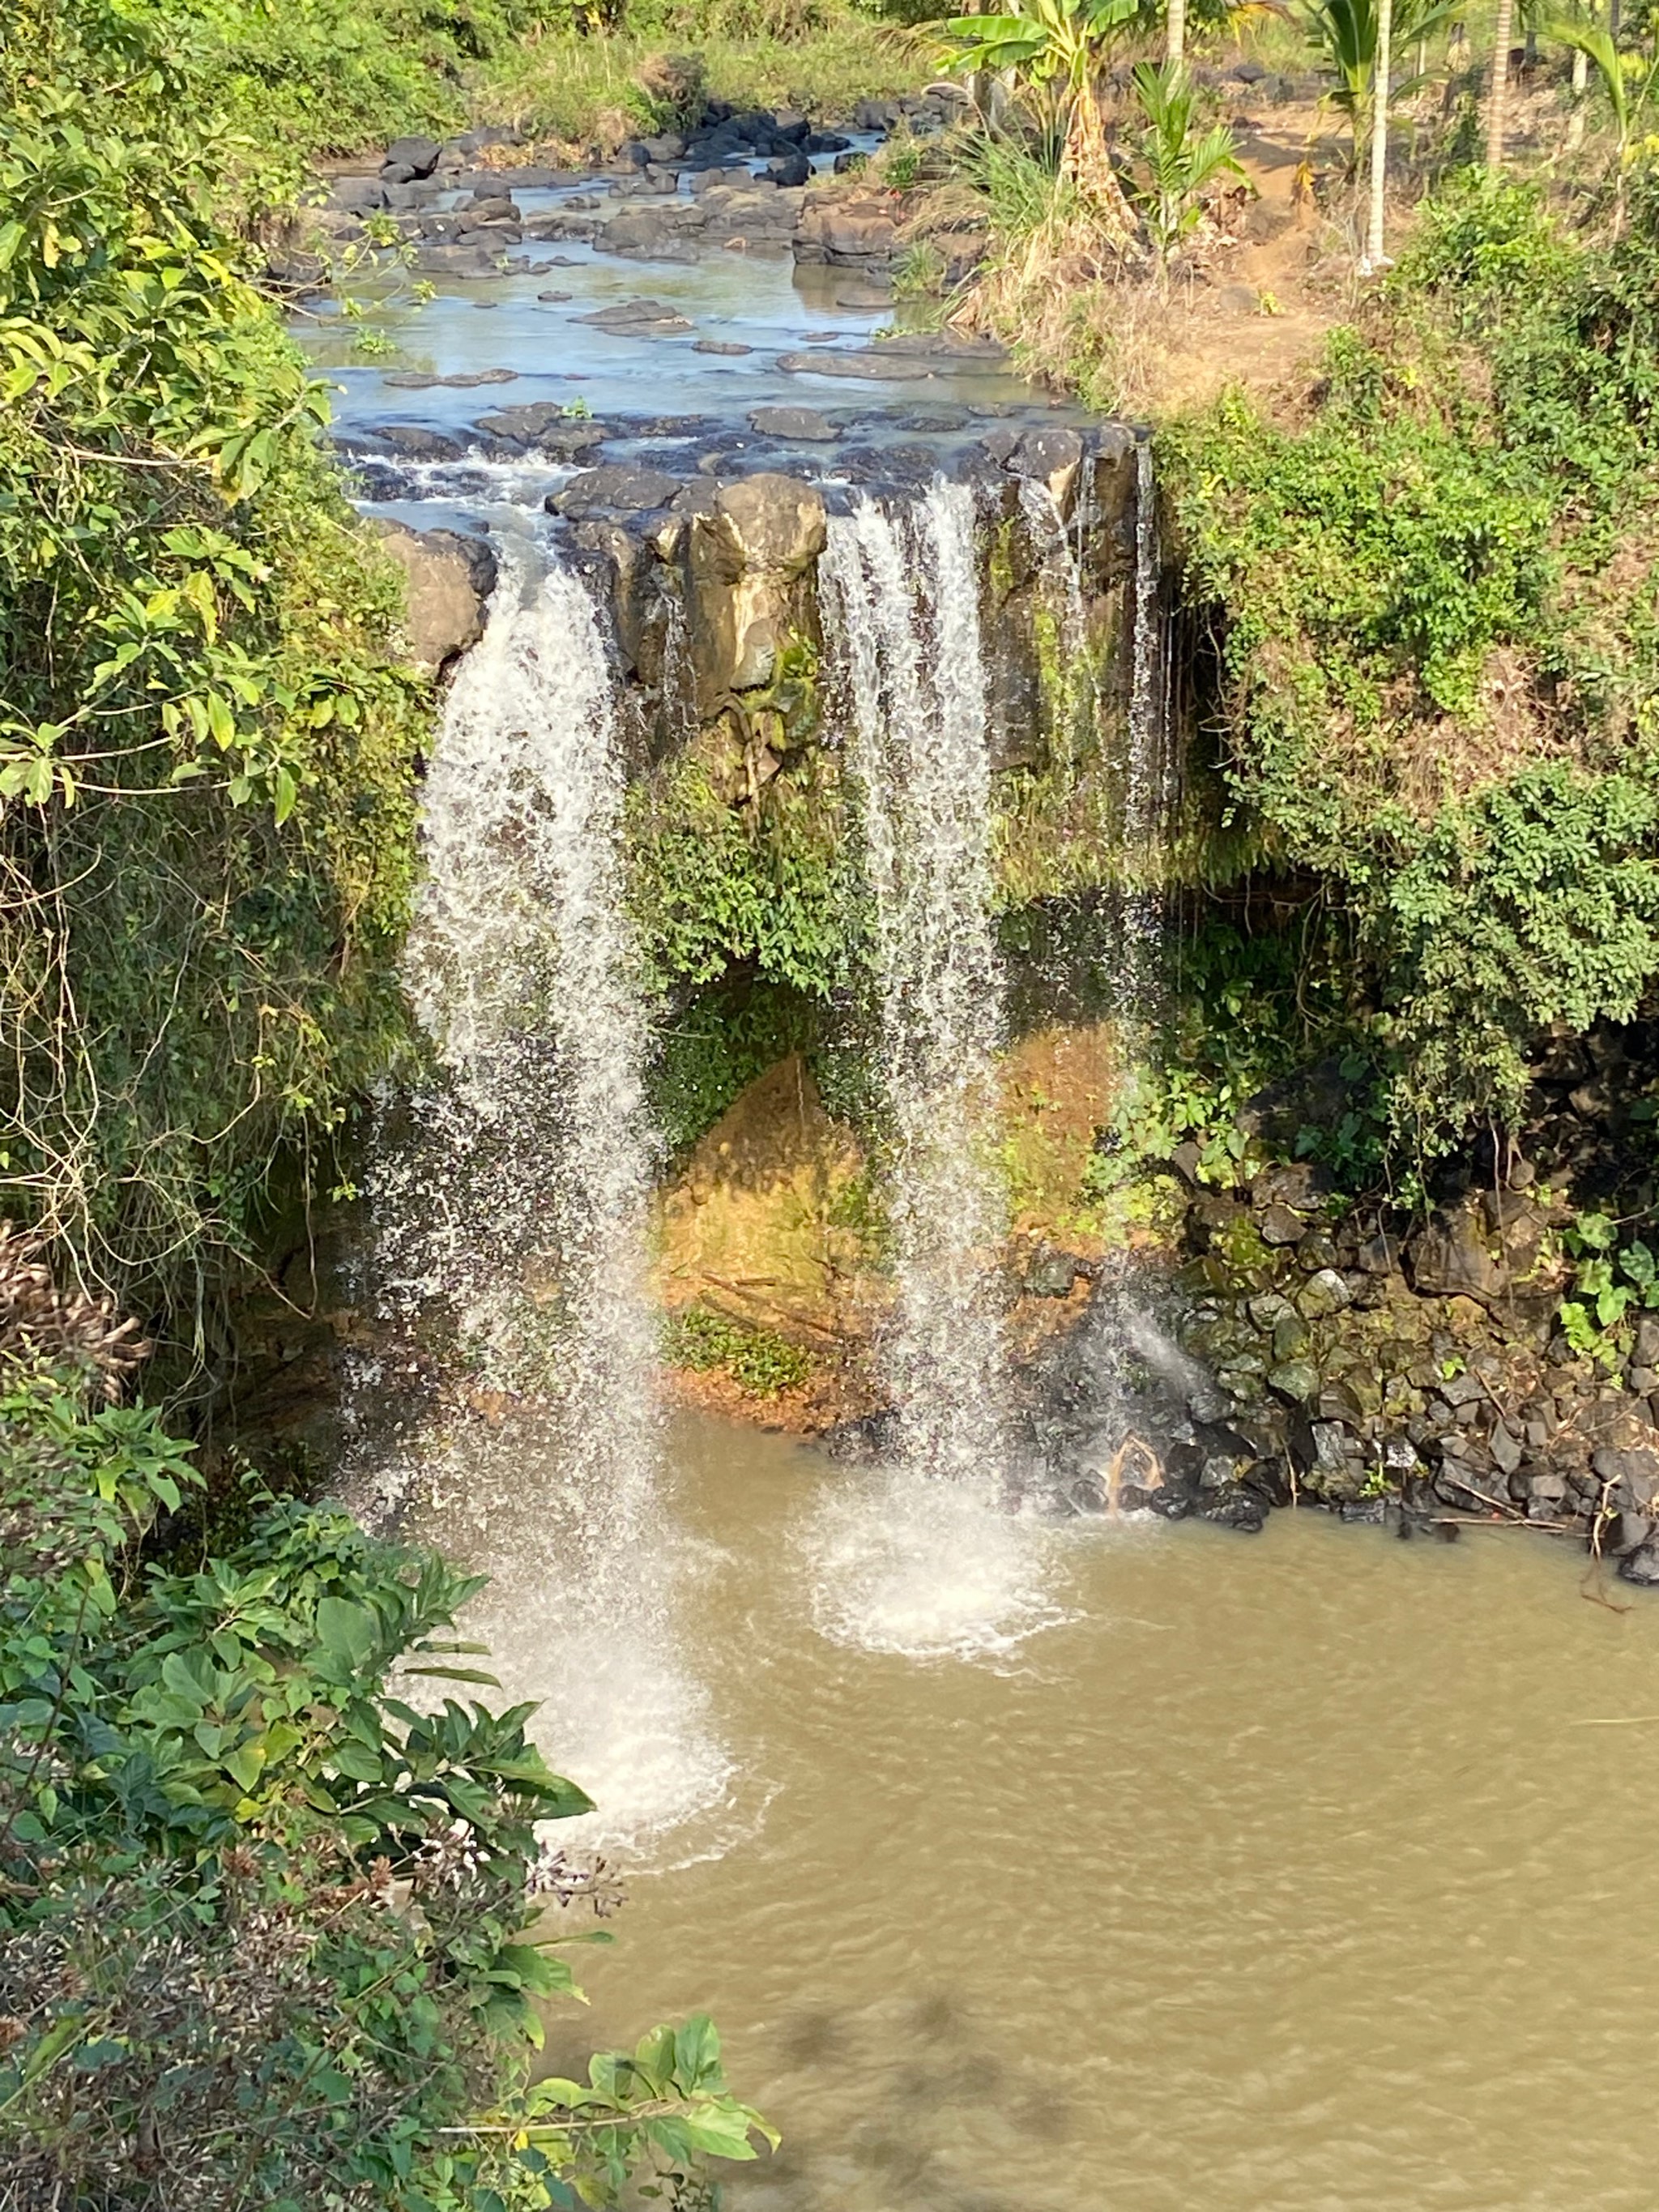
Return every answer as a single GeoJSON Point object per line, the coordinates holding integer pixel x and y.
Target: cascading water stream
{"type": "Point", "coordinates": [518, 1201]}
{"type": "Point", "coordinates": [521, 969]}
{"type": "Point", "coordinates": [933, 1566]}
{"type": "Point", "coordinates": [907, 592]}
{"type": "Point", "coordinates": [1148, 796]}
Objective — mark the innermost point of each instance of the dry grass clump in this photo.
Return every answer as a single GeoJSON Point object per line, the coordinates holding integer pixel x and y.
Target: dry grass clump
{"type": "Point", "coordinates": [41, 1326]}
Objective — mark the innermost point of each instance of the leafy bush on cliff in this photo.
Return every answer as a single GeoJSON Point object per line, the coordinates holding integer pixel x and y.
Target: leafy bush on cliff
{"type": "Point", "coordinates": [206, 745]}
{"type": "Point", "coordinates": [1435, 598]}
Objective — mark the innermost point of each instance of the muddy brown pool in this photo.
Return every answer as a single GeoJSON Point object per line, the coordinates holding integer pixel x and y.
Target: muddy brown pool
{"type": "Point", "coordinates": [1306, 1872]}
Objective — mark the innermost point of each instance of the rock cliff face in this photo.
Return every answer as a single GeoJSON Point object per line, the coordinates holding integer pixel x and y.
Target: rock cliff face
{"type": "Point", "coordinates": [712, 583]}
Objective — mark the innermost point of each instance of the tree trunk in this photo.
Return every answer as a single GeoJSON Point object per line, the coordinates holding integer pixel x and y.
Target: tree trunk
{"type": "Point", "coordinates": [1497, 98]}
{"type": "Point", "coordinates": [1088, 164]}
{"type": "Point", "coordinates": [1174, 33]}
{"type": "Point", "coordinates": [1374, 255]}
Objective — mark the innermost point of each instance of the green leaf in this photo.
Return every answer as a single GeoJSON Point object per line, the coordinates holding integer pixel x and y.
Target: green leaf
{"type": "Point", "coordinates": [346, 1629]}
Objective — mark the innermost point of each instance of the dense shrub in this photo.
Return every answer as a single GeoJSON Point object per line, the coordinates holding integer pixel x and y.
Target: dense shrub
{"type": "Point", "coordinates": [206, 745]}
{"type": "Point", "coordinates": [266, 1927]}
{"type": "Point", "coordinates": [1436, 600]}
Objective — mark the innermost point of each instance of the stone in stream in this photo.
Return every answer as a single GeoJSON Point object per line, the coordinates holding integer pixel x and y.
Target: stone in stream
{"type": "Point", "coordinates": [411, 380]}
{"type": "Point", "coordinates": [797, 423]}
{"type": "Point", "coordinates": [416, 154]}
{"type": "Point", "coordinates": [721, 346]}
{"type": "Point", "coordinates": [643, 318]}
{"type": "Point", "coordinates": [414, 441]}
{"type": "Point", "coordinates": [470, 257]}
{"type": "Point", "coordinates": [614, 488]}
{"type": "Point", "coordinates": [544, 424]}
{"type": "Point", "coordinates": [553, 298]}
{"type": "Point", "coordinates": [684, 250]}
{"type": "Point", "coordinates": [355, 195]}
{"type": "Point", "coordinates": [873, 364]}
{"type": "Point", "coordinates": [652, 229]}
{"type": "Point", "coordinates": [570, 228]}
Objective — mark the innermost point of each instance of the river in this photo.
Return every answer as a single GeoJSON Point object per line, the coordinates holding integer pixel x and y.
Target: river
{"type": "Point", "coordinates": [1299, 1873]}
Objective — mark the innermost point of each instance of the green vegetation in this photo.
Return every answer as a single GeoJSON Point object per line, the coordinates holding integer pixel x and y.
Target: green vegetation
{"type": "Point", "coordinates": [320, 76]}
{"type": "Point", "coordinates": [821, 56]}
{"type": "Point", "coordinates": [758, 1360]}
{"type": "Point", "coordinates": [206, 743]}
{"type": "Point", "coordinates": [270, 1922]}
{"type": "Point", "coordinates": [267, 1927]}
{"type": "Point", "coordinates": [1180, 161]}
{"type": "Point", "coordinates": [1344, 34]}
{"type": "Point", "coordinates": [1611, 1278]}
{"type": "Point", "coordinates": [1440, 635]}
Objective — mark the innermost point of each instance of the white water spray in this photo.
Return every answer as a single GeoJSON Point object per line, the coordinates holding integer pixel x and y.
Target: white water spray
{"type": "Point", "coordinates": [906, 590]}
{"type": "Point", "coordinates": [929, 1566]}
{"type": "Point", "coordinates": [520, 1202]}
{"type": "Point", "coordinates": [1148, 796]}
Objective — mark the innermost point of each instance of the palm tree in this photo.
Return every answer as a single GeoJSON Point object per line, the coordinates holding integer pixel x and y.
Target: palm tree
{"type": "Point", "coordinates": [1179, 160]}
{"type": "Point", "coordinates": [1347, 31]}
{"type": "Point", "coordinates": [1497, 98]}
{"type": "Point", "coordinates": [1373, 259]}
{"type": "Point", "coordinates": [1174, 33]}
{"type": "Point", "coordinates": [1630, 83]}
{"type": "Point", "coordinates": [1058, 44]}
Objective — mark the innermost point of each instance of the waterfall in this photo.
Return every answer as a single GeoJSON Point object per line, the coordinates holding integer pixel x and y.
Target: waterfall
{"type": "Point", "coordinates": [1148, 795]}
{"type": "Point", "coordinates": [906, 593]}
{"type": "Point", "coordinates": [518, 1200]}
{"type": "Point", "coordinates": [929, 1562]}
{"type": "Point", "coordinates": [519, 968]}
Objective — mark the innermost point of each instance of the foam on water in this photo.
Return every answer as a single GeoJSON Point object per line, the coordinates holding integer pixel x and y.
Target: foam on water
{"type": "Point", "coordinates": [925, 1570]}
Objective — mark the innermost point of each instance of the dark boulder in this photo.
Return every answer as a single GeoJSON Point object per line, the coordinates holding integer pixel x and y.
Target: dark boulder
{"type": "Point", "coordinates": [417, 155]}
{"type": "Point", "coordinates": [801, 423]}
{"type": "Point", "coordinates": [615, 488]}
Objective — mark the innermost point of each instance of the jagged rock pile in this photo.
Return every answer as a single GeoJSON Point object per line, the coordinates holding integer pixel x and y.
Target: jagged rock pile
{"type": "Point", "coordinates": [732, 204]}
{"type": "Point", "coordinates": [1336, 1361]}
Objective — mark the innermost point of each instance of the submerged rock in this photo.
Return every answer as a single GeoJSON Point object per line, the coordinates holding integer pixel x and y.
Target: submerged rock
{"type": "Point", "coordinates": [795, 423]}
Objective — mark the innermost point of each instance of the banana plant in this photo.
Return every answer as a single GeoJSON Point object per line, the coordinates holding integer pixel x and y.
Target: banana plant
{"type": "Point", "coordinates": [1346, 33]}
{"type": "Point", "coordinates": [1630, 80]}
{"type": "Point", "coordinates": [1058, 47]}
{"type": "Point", "coordinates": [1177, 161]}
